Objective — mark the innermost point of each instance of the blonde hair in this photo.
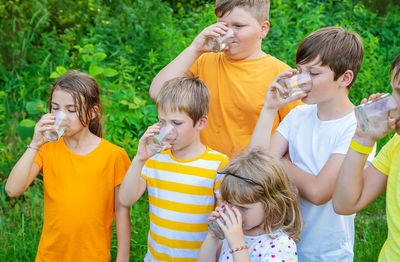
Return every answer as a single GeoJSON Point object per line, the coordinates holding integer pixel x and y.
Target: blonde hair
{"type": "Point", "coordinates": [273, 189]}
{"type": "Point", "coordinates": [85, 92]}
{"type": "Point", "coordinates": [259, 9]}
{"type": "Point", "coordinates": [184, 94]}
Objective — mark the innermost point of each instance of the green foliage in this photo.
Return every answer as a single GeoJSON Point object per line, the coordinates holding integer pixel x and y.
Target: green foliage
{"type": "Point", "coordinates": [123, 44]}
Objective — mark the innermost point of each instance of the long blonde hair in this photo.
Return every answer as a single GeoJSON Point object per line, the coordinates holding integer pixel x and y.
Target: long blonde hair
{"type": "Point", "coordinates": [272, 188]}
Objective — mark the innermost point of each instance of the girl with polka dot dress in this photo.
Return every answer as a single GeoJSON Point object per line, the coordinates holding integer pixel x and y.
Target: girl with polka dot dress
{"type": "Point", "coordinates": [259, 219]}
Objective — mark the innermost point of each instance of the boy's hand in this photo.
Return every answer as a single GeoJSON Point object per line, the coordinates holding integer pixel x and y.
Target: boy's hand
{"type": "Point", "coordinates": [272, 99]}
{"type": "Point", "coordinates": [42, 125]}
{"type": "Point", "coordinates": [375, 132]}
{"type": "Point", "coordinates": [233, 229]}
{"type": "Point", "coordinates": [214, 30]}
{"type": "Point", "coordinates": [143, 153]}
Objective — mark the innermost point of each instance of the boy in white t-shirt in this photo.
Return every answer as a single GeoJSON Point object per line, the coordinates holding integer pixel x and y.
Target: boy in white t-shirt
{"type": "Point", "coordinates": [313, 139]}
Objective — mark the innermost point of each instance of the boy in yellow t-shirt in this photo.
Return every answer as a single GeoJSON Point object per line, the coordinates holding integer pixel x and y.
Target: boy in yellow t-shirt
{"type": "Point", "coordinates": [182, 181]}
{"type": "Point", "coordinates": [357, 187]}
{"type": "Point", "coordinates": [237, 78]}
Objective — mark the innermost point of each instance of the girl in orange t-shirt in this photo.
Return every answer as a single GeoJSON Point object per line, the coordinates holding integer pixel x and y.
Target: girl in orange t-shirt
{"type": "Point", "coordinates": [81, 177]}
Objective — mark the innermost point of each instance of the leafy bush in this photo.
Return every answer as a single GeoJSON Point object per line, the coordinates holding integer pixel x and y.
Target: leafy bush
{"type": "Point", "coordinates": [123, 44]}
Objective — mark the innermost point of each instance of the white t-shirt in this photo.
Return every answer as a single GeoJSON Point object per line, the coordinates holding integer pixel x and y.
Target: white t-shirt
{"type": "Point", "coordinates": [264, 248]}
{"type": "Point", "coordinates": [326, 236]}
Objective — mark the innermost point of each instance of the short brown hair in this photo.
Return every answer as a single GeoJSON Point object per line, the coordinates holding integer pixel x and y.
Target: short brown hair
{"type": "Point", "coordinates": [341, 50]}
{"type": "Point", "coordinates": [276, 193]}
{"type": "Point", "coordinates": [395, 70]}
{"type": "Point", "coordinates": [259, 9]}
{"type": "Point", "coordinates": [186, 94]}
{"type": "Point", "coordinates": [86, 95]}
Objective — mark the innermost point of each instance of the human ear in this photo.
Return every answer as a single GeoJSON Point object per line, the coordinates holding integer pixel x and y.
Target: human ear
{"type": "Point", "coordinates": [201, 123]}
{"type": "Point", "coordinates": [347, 78]}
{"type": "Point", "coordinates": [264, 29]}
{"type": "Point", "coordinates": [94, 112]}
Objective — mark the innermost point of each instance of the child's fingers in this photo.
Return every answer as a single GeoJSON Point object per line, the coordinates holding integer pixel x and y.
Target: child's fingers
{"type": "Point", "coordinates": [288, 73]}
{"type": "Point", "coordinates": [238, 215]}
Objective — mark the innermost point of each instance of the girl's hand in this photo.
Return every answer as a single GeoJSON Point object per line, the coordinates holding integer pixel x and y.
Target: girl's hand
{"type": "Point", "coordinates": [233, 229]}
{"type": "Point", "coordinates": [42, 125]}
{"type": "Point", "coordinates": [273, 101]}
{"type": "Point", "coordinates": [143, 152]}
{"type": "Point", "coordinates": [376, 131]}
{"type": "Point", "coordinates": [215, 30]}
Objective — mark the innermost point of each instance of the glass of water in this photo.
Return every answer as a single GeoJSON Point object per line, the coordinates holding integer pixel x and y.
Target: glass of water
{"type": "Point", "coordinates": [57, 129]}
{"type": "Point", "coordinates": [375, 114]}
{"type": "Point", "coordinates": [216, 44]}
{"type": "Point", "coordinates": [298, 83]}
{"type": "Point", "coordinates": [160, 141]}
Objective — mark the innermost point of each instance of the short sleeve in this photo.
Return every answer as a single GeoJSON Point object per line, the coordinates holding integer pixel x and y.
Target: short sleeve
{"type": "Point", "coordinates": [383, 160]}
{"type": "Point", "coordinates": [280, 249]}
{"type": "Point", "coordinates": [143, 174]}
{"type": "Point", "coordinates": [285, 110]}
{"type": "Point", "coordinates": [194, 69]}
{"type": "Point", "coordinates": [219, 177]}
{"type": "Point", "coordinates": [121, 165]}
{"type": "Point", "coordinates": [40, 156]}
{"type": "Point", "coordinates": [284, 126]}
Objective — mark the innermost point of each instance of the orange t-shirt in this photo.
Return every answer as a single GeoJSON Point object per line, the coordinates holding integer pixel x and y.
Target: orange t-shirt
{"type": "Point", "coordinates": [79, 201]}
{"type": "Point", "coordinates": [237, 93]}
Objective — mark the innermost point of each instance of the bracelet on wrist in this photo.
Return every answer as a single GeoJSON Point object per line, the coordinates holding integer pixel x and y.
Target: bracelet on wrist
{"type": "Point", "coordinates": [366, 150]}
{"type": "Point", "coordinates": [34, 148]}
{"type": "Point", "coordinates": [233, 250]}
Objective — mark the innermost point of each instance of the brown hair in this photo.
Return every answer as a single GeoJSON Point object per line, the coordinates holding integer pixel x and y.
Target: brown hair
{"type": "Point", "coordinates": [275, 192]}
{"type": "Point", "coordinates": [341, 50]}
{"type": "Point", "coordinates": [395, 70]}
{"type": "Point", "coordinates": [86, 94]}
{"type": "Point", "coordinates": [259, 9]}
{"type": "Point", "coordinates": [185, 94]}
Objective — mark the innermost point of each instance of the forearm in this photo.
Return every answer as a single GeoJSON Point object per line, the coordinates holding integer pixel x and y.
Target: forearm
{"type": "Point", "coordinates": [123, 228]}
{"type": "Point", "coordinates": [20, 176]}
{"type": "Point", "coordinates": [261, 136]}
{"type": "Point", "coordinates": [311, 187]}
{"type": "Point", "coordinates": [349, 184]}
{"type": "Point", "coordinates": [129, 191]}
{"type": "Point", "coordinates": [177, 67]}
{"type": "Point", "coordinates": [209, 249]}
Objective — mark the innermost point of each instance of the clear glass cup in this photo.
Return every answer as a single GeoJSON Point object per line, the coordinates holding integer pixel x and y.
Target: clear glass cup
{"type": "Point", "coordinates": [293, 85]}
{"type": "Point", "coordinates": [375, 114]}
{"type": "Point", "coordinates": [160, 141]}
{"type": "Point", "coordinates": [216, 44]}
{"type": "Point", "coordinates": [216, 229]}
{"type": "Point", "coordinates": [57, 129]}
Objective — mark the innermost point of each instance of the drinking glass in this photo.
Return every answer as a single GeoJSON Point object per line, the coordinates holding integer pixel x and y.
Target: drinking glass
{"type": "Point", "coordinates": [216, 44]}
{"type": "Point", "coordinates": [57, 129]}
{"type": "Point", "coordinates": [293, 85]}
{"type": "Point", "coordinates": [160, 141]}
{"type": "Point", "coordinates": [216, 229]}
{"type": "Point", "coordinates": [375, 114]}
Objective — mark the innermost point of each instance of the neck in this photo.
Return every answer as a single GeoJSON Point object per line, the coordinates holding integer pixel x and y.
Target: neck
{"type": "Point", "coordinates": [334, 109]}
{"type": "Point", "coordinates": [83, 142]}
{"type": "Point", "coordinates": [193, 150]}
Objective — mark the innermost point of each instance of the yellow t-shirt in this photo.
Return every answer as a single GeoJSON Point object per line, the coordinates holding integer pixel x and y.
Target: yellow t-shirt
{"type": "Point", "coordinates": [79, 201]}
{"type": "Point", "coordinates": [388, 162]}
{"type": "Point", "coordinates": [237, 90]}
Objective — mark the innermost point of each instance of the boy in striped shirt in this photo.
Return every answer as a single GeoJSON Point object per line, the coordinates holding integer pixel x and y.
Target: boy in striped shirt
{"type": "Point", "coordinates": [182, 181]}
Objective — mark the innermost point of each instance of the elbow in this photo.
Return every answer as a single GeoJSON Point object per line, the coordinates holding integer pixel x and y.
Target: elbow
{"type": "Point", "coordinates": [126, 203]}
{"type": "Point", "coordinates": [11, 192]}
{"type": "Point", "coordinates": [319, 198]}
{"type": "Point", "coordinates": [152, 92]}
{"type": "Point", "coordinates": [342, 209]}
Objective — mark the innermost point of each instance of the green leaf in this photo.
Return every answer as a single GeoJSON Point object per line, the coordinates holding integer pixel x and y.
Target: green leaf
{"type": "Point", "coordinates": [54, 75]}
{"type": "Point", "coordinates": [95, 70]}
{"type": "Point", "coordinates": [35, 107]}
{"type": "Point", "coordinates": [61, 70]}
{"type": "Point", "coordinates": [26, 128]}
{"type": "Point", "coordinates": [109, 72]}
{"type": "Point", "coordinates": [89, 48]}
{"type": "Point", "coordinates": [87, 58]}
{"type": "Point", "coordinates": [98, 57]}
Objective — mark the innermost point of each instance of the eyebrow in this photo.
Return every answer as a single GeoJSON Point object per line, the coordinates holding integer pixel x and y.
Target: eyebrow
{"type": "Point", "coordinates": [59, 105]}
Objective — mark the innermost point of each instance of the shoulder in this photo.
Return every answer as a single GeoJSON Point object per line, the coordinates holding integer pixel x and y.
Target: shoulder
{"type": "Point", "coordinates": [210, 57]}
{"type": "Point", "coordinates": [111, 148]}
{"type": "Point", "coordinates": [212, 154]}
{"type": "Point", "coordinates": [275, 63]}
{"type": "Point", "coordinates": [303, 111]}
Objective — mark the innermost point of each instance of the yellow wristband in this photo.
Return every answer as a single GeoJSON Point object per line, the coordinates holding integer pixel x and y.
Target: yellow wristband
{"type": "Point", "coordinates": [360, 148]}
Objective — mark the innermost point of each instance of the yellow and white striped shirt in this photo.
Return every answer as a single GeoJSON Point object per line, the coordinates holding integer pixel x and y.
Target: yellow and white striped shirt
{"type": "Point", "coordinates": [182, 195]}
